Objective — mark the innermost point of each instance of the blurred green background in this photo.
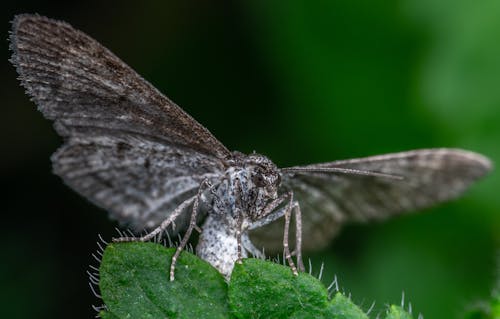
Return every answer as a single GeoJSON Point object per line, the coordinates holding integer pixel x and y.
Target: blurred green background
{"type": "Point", "coordinates": [301, 82]}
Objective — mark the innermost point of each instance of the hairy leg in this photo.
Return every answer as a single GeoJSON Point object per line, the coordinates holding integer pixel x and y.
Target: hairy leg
{"type": "Point", "coordinates": [286, 248]}
{"type": "Point", "coordinates": [298, 236]}
{"type": "Point", "coordinates": [267, 216]}
{"type": "Point", "coordinates": [163, 226]}
{"type": "Point", "coordinates": [239, 222]}
{"type": "Point", "coordinates": [192, 225]}
{"type": "Point", "coordinates": [269, 213]}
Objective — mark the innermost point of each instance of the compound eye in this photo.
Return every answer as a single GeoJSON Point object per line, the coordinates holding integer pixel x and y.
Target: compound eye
{"type": "Point", "coordinates": [258, 180]}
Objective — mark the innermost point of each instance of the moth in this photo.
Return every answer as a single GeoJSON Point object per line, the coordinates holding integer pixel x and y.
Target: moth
{"type": "Point", "coordinates": [135, 153]}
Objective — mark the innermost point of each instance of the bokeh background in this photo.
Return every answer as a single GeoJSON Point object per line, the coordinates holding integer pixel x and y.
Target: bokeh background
{"type": "Point", "coordinates": [301, 82]}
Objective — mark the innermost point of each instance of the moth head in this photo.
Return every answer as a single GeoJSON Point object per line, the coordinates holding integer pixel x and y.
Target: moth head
{"type": "Point", "coordinates": [264, 174]}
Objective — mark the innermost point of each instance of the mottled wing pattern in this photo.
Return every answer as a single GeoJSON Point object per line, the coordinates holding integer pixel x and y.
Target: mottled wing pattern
{"type": "Point", "coordinates": [128, 148]}
{"type": "Point", "coordinates": [137, 180]}
{"type": "Point", "coordinates": [428, 176]}
{"type": "Point", "coordinates": [86, 89]}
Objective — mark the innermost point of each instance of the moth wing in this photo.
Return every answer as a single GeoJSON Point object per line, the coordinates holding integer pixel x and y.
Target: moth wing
{"type": "Point", "coordinates": [328, 200]}
{"type": "Point", "coordinates": [138, 181]}
{"type": "Point", "coordinates": [128, 148]}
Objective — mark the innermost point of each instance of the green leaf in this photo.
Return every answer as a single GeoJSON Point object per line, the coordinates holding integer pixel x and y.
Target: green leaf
{"type": "Point", "coordinates": [134, 283]}
{"type": "Point", "coordinates": [396, 312]}
{"type": "Point", "coordinates": [263, 289]}
{"type": "Point", "coordinates": [107, 315]}
{"type": "Point", "coordinates": [342, 307]}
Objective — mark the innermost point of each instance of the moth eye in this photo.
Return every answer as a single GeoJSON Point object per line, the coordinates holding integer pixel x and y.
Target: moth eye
{"type": "Point", "coordinates": [258, 180]}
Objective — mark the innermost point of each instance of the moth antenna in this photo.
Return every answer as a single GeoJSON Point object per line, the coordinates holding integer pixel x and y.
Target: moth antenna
{"type": "Point", "coordinates": [340, 170]}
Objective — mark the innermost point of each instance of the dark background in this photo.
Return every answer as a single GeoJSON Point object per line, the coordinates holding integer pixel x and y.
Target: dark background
{"type": "Point", "coordinates": [301, 83]}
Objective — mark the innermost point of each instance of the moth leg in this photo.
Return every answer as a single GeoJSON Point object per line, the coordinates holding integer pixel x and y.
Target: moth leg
{"type": "Point", "coordinates": [189, 230]}
{"type": "Point", "coordinates": [268, 214]}
{"type": "Point", "coordinates": [298, 236]}
{"type": "Point", "coordinates": [286, 248]}
{"type": "Point", "coordinates": [270, 207]}
{"type": "Point", "coordinates": [239, 218]}
{"type": "Point", "coordinates": [180, 209]}
{"type": "Point", "coordinates": [239, 223]}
